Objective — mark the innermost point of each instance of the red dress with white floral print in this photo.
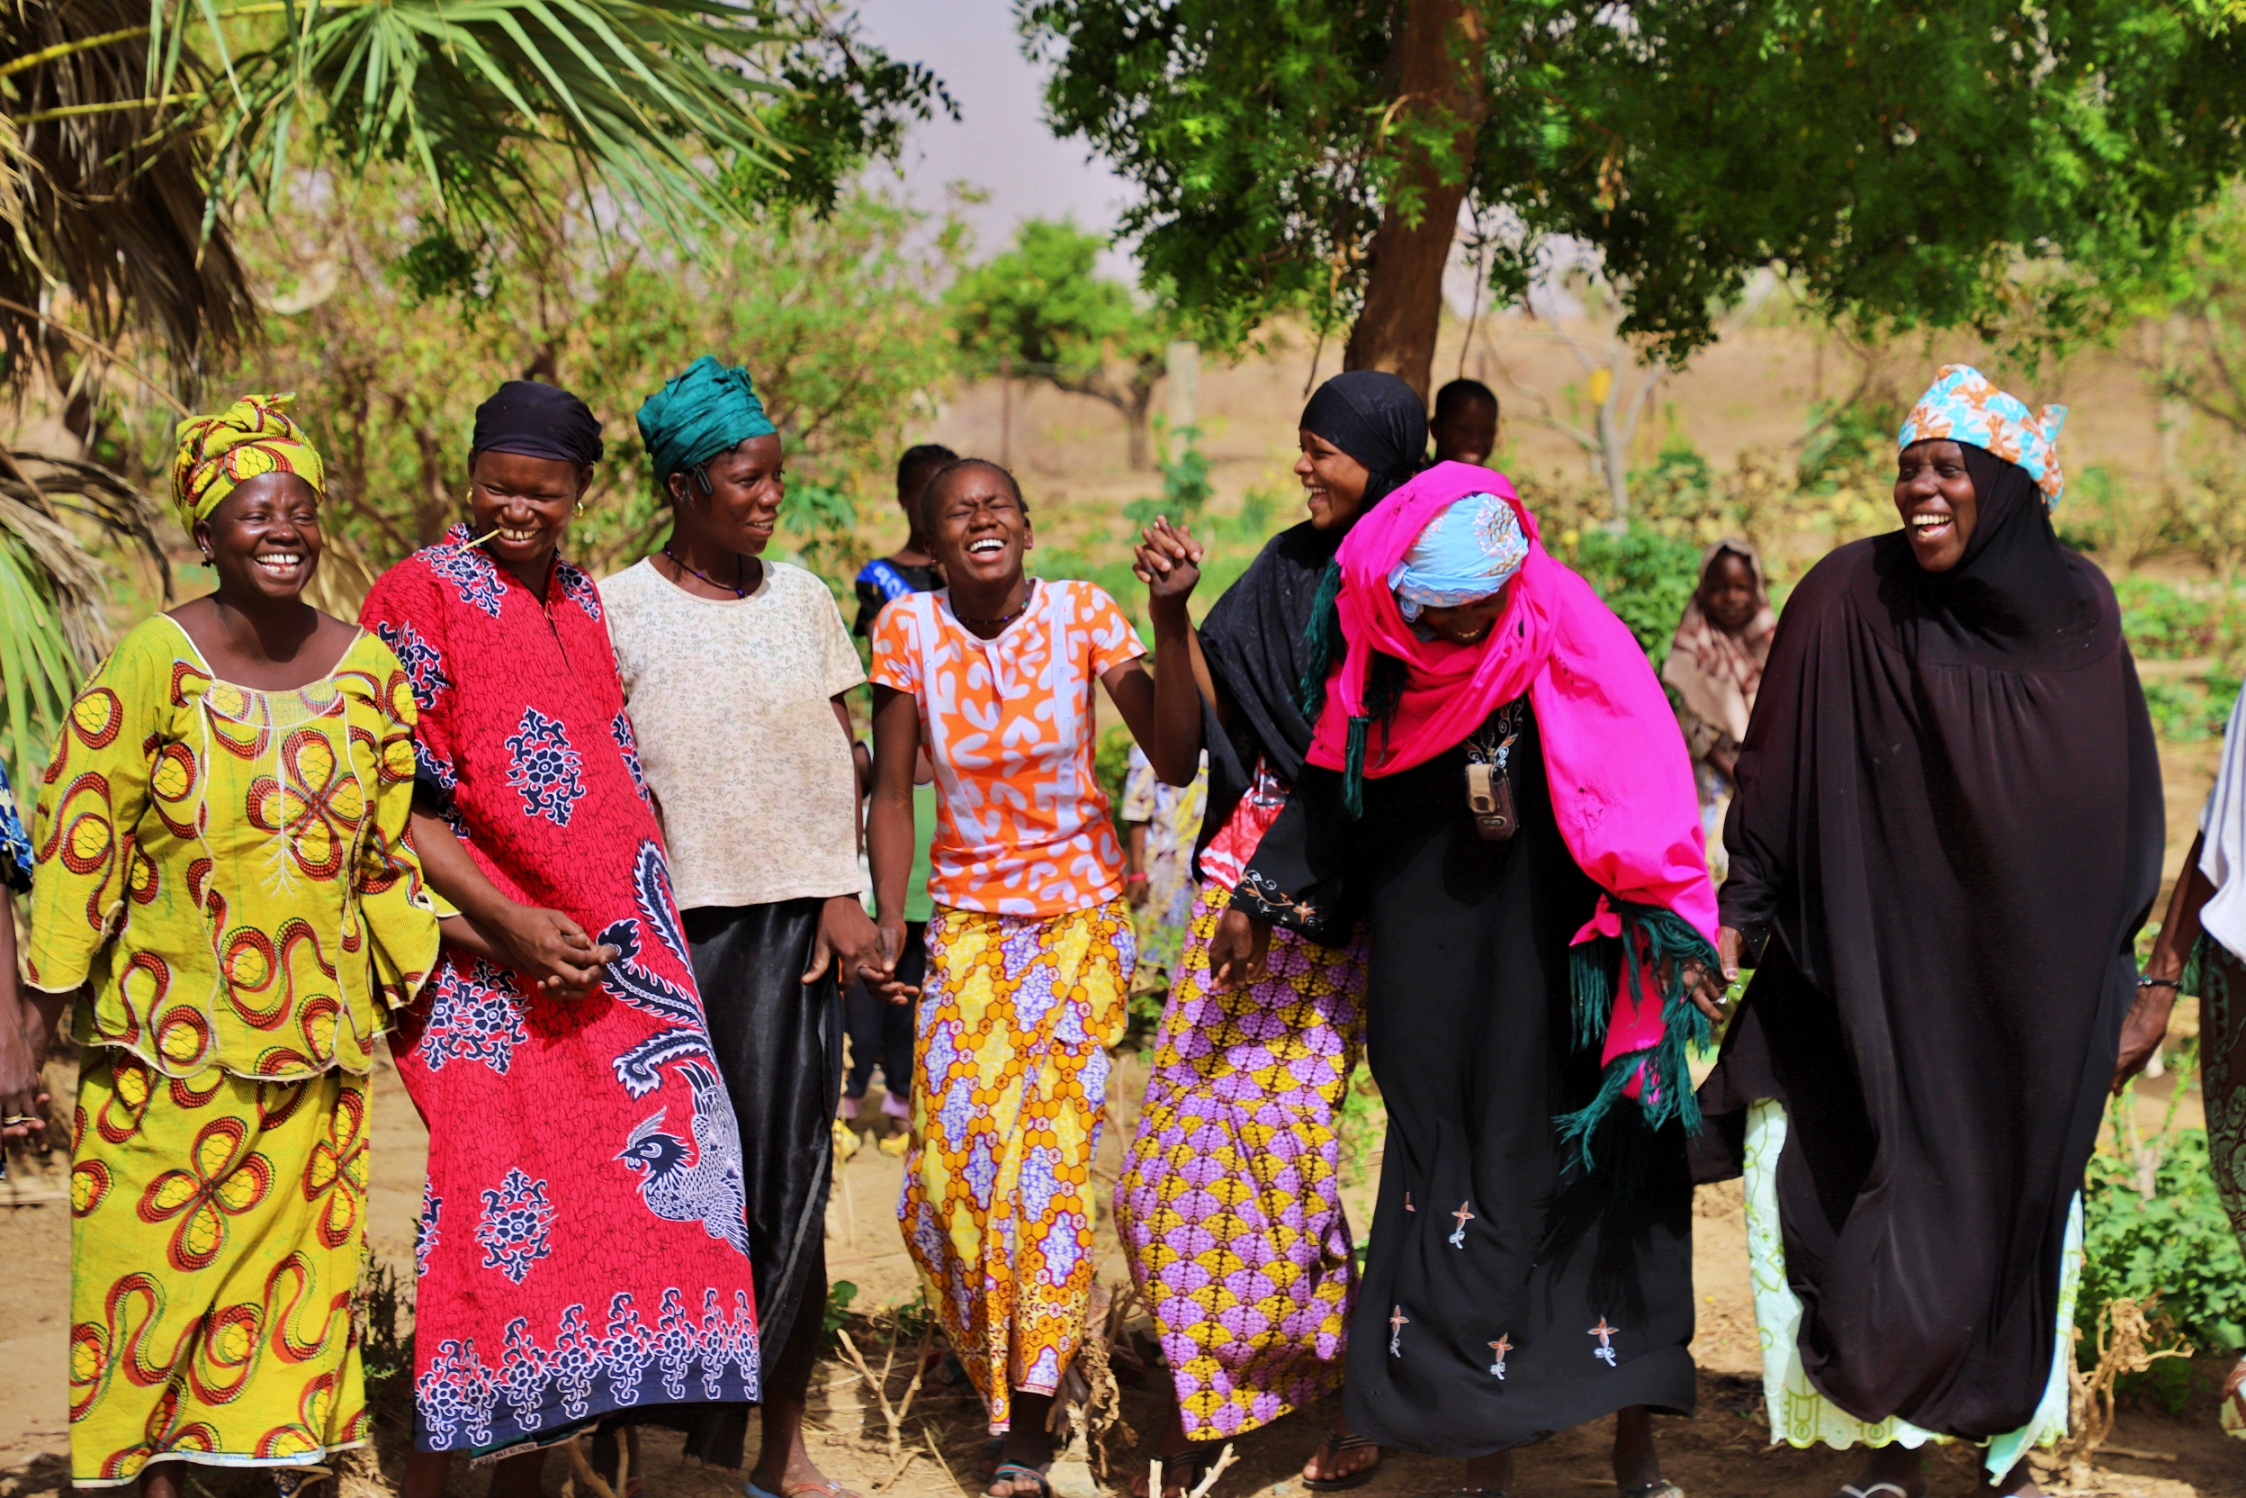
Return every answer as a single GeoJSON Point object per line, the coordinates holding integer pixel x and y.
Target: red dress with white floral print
{"type": "Point", "coordinates": [582, 1245]}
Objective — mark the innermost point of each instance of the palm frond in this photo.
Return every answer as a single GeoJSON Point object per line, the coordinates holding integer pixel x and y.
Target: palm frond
{"type": "Point", "coordinates": [52, 626]}
{"type": "Point", "coordinates": [100, 199]}
{"type": "Point", "coordinates": [654, 98]}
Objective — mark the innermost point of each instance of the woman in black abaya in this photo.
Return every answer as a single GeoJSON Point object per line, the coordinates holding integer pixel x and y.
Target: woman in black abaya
{"type": "Point", "coordinates": [1247, 1084]}
{"type": "Point", "coordinates": [1947, 831]}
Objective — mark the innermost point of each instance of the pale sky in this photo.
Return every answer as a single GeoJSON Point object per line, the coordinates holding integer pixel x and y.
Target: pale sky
{"type": "Point", "coordinates": [1000, 143]}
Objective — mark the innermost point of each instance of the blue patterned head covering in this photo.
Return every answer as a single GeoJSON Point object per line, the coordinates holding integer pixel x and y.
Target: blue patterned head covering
{"type": "Point", "coordinates": [1469, 551]}
{"type": "Point", "coordinates": [1962, 406]}
{"type": "Point", "coordinates": [710, 409]}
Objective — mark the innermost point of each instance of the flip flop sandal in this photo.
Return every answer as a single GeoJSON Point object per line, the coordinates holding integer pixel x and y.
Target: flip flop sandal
{"type": "Point", "coordinates": [828, 1489]}
{"type": "Point", "coordinates": [1336, 1443]}
{"type": "Point", "coordinates": [1011, 1472]}
{"type": "Point", "coordinates": [1874, 1490]}
{"type": "Point", "coordinates": [1662, 1487]}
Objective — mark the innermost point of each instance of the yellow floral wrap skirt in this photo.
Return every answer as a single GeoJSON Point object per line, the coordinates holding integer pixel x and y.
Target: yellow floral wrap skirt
{"type": "Point", "coordinates": [218, 1224]}
{"type": "Point", "coordinates": [1015, 1020]}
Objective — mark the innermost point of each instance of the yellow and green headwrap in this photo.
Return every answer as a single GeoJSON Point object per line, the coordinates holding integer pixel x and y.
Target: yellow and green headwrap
{"type": "Point", "coordinates": [218, 454]}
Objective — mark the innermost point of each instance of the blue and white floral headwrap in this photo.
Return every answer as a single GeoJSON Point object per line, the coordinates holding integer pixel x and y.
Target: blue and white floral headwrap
{"type": "Point", "coordinates": [1469, 551]}
{"type": "Point", "coordinates": [1962, 406]}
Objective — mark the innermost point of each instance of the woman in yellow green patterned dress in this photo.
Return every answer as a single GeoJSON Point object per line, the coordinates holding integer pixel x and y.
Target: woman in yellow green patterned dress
{"type": "Point", "coordinates": [223, 880]}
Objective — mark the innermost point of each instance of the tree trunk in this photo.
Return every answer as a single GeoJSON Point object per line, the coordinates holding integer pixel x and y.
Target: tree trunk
{"type": "Point", "coordinates": [1436, 71]}
{"type": "Point", "coordinates": [1138, 415]}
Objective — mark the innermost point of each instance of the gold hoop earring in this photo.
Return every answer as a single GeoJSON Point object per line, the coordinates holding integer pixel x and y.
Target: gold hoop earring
{"type": "Point", "coordinates": [580, 508]}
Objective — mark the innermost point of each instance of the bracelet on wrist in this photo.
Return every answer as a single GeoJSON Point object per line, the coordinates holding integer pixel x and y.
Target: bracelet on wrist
{"type": "Point", "coordinates": [2168, 983]}
{"type": "Point", "coordinates": [1134, 878]}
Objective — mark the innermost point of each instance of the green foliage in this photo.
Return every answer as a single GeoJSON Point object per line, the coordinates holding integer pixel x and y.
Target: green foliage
{"type": "Point", "coordinates": [837, 318]}
{"type": "Point", "coordinates": [38, 674]}
{"type": "Point", "coordinates": [694, 111]}
{"type": "Point", "coordinates": [1111, 766]}
{"type": "Point", "coordinates": [2175, 1243]}
{"type": "Point", "coordinates": [1041, 310]}
{"type": "Point", "coordinates": [1903, 166]}
{"type": "Point", "coordinates": [1185, 485]}
{"type": "Point", "coordinates": [377, 1304]}
{"type": "Point", "coordinates": [1647, 578]}
{"type": "Point", "coordinates": [835, 1314]}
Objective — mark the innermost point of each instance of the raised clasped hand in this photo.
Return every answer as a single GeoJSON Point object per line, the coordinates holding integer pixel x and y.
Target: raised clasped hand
{"type": "Point", "coordinates": [1168, 561]}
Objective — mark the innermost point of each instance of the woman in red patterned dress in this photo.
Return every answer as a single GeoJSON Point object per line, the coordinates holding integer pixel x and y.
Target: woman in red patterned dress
{"type": "Point", "coordinates": [582, 1247]}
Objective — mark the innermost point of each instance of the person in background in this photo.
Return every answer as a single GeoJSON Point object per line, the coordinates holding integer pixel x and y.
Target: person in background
{"type": "Point", "coordinates": [226, 883]}
{"type": "Point", "coordinates": [1946, 834]}
{"type": "Point", "coordinates": [911, 568]}
{"type": "Point", "coordinates": [23, 1093]}
{"type": "Point", "coordinates": [735, 672]}
{"type": "Point", "coordinates": [1498, 786]}
{"type": "Point", "coordinates": [1030, 948]}
{"type": "Point", "coordinates": [2203, 942]}
{"type": "Point", "coordinates": [1248, 1082]}
{"type": "Point", "coordinates": [1160, 823]}
{"type": "Point", "coordinates": [1715, 664]}
{"type": "Point", "coordinates": [1465, 422]}
{"type": "Point", "coordinates": [881, 1032]}
{"type": "Point", "coordinates": [585, 1171]}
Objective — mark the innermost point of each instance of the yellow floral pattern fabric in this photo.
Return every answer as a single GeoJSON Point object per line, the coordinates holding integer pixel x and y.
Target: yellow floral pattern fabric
{"type": "Point", "coordinates": [1800, 1416]}
{"type": "Point", "coordinates": [217, 1224]}
{"type": "Point", "coordinates": [1014, 1025]}
{"type": "Point", "coordinates": [218, 454]}
{"type": "Point", "coordinates": [228, 870]}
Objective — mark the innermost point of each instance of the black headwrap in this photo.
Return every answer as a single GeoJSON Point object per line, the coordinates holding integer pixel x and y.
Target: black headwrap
{"type": "Point", "coordinates": [1256, 637]}
{"type": "Point", "coordinates": [537, 421]}
{"type": "Point", "coordinates": [1949, 825]}
{"type": "Point", "coordinates": [1376, 419]}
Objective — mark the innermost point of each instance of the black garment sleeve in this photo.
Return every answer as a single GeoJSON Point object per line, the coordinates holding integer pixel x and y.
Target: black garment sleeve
{"type": "Point", "coordinates": [1299, 877]}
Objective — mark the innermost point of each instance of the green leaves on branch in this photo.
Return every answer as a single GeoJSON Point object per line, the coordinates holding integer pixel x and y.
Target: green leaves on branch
{"type": "Point", "coordinates": [1971, 164]}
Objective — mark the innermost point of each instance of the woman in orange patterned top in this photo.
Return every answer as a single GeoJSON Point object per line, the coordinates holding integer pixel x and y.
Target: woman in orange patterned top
{"type": "Point", "coordinates": [1030, 949]}
{"type": "Point", "coordinates": [224, 880]}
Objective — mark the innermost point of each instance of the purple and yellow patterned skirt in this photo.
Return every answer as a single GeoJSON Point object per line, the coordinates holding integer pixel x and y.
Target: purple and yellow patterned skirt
{"type": "Point", "coordinates": [1229, 1206]}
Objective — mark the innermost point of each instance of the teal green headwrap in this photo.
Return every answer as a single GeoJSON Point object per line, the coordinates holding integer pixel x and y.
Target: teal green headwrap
{"type": "Point", "coordinates": [710, 409]}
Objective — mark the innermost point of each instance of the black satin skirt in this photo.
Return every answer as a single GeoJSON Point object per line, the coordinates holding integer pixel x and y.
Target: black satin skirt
{"type": "Point", "coordinates": [778, 1041]}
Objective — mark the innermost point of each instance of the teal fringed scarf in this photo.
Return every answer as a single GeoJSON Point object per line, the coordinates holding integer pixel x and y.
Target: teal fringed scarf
{"type": "Point", "coordinates": [1657, 935]}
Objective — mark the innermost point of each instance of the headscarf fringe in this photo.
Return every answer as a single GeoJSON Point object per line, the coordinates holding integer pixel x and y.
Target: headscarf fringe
{"type": "Point", "coordinates": [1323, 637]}
{"type": "Point", "coordinates": [1353, 778]}
{"type": "Point", "coordinates": [1658, 935]}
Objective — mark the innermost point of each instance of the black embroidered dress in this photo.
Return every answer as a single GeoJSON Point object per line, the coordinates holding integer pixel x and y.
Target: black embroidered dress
{"type": "Point", "coordinates": [1507, 1294]}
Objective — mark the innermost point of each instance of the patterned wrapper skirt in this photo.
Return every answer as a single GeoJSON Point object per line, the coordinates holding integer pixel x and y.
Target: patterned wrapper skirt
{"type": "Point", "coordinates": [2222, 1080]}
{"type": "Point", "coordinates": [1800, 1416]}
{"type": "Point", "coordinates": [217, 1226]}
{"type": "Point", "coordinates": [1229, 1206]}
{"type": "Point", "coordinates": [1011, 1044]}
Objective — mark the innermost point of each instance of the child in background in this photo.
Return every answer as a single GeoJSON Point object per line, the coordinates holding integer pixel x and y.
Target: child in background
{"type": "Point", "coordinates": [1465, 422]}
{"type": "Point", "coordinates": [1160, 823]}
{"type": "Point", "coordinates": [910, 568]}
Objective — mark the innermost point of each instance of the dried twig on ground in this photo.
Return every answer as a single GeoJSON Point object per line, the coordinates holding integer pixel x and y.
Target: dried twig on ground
{"type": "Point", "coordinates": [1225, 1458]}
{"type": "Point", "coordinates": [2125, 1333]}
{"type": "Point", "coordinates": [892, 1415]}
{"type": "Point", "coordinates": [581, 1470]}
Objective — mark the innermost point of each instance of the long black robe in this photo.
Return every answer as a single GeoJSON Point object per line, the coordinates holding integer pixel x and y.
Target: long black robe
{"type": "Point", "coordinates": [1469, 1034]}
{"type": "Point", "coordinates": [1948, 824]}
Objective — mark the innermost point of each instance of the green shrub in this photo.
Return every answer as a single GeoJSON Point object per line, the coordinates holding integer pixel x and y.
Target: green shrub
{"type": "Point", "coordinates": [1647, 579]}
{"type": "Point", "coordinates": [2176, 1244]}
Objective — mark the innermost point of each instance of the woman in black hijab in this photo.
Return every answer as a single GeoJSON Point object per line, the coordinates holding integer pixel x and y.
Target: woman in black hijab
{"type": "Point", "coordinates": [1247, 1085]}
{"type": "Point", "coordinates": [1947, 830]}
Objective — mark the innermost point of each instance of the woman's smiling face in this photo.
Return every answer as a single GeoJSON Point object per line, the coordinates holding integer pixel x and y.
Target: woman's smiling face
{"type": "Point", "coordinates": [1935, 496]}
{"type": "Point", "coordinates": [977, 526]}
{"type": "Point", "coordinates": [528, 501]}
{"type": "Point", "coordinates": [264, 538]}
{"type": "Point", "coordinates": [1333, 482]}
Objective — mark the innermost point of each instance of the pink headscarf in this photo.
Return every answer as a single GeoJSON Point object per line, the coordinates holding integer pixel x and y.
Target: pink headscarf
{"type": "Point", "coordinates": [1620, 777]}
